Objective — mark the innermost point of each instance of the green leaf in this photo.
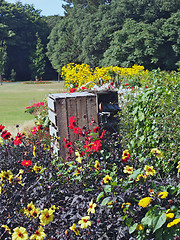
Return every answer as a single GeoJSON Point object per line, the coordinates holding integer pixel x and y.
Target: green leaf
{"type": "Point", "coordinates": [107, 188]}
{"type": "Point", "coordinates": [135, 174]}
{"type": "Point", "coordinates": [133, 228]}
{"type": "Point", "coordinates": [99, 196]}
{"type": "Point", "coordinates": [141, 116]}
{"type": "Point", "coordinates": [105, 201]}
{"type": "Point", "coordinates": [158, 221]}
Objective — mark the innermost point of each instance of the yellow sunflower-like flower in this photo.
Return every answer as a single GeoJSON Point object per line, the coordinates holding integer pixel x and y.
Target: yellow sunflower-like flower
{"type": "Point", "coordinates": [140, 176]}
{"type": "Point", "coordinates": [34, 151]}
{"type": "Point", "coordinates": [91, 207]}
{"type": "Point", "coordinates": [84, 222]}
{"type": "Point", "coordinates": [97, 164]}
{"type": "Point", "coordinates": [46, 216]}
{"type": "Point", "coordinates": [139, 227]}
{"type": "Point", "coordinates": [6, 228]}
{"type": "Point", "coordinates": [128, 169]}
{"type": "Point", "coordinates": [39, 234]}
{"type": "Point", "coordinates": [6, 175]}
{"type": "Point", "coordinates": [156, 152]}
{"type": "Point", "coordinates": [37, 168]}
{"type": "Point", "coordinates": [29, 208]}
{"type": "Point", "coordinates": [78, 157]}
{"type": "Point", "coordinates": [19, 233]}
{"type": "Point", "coordinates": [163, 195]}
{"type": "Point", "coordinates": [178, 167]}
{"type": "Point", "coordinates": [107, 178]}
{"type": "Point", "coordinates": [53, 208]}
{"type": "Point", "coordinates": [149, 170]}
{"type": "Point", "coordinates": [144, 202]}
{"type": "Point", "coordinates": [74, 229]}
{"type": "Point", "coordinates": [35, 212]}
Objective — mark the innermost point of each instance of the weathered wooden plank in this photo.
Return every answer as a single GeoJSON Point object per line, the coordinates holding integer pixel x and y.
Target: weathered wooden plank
{"type": "Point", "coordinates": [92, 111]}
{"type": "Point", "coordinates": [61, 111]}
{"type": "Point", "coordinates": [51, 104]}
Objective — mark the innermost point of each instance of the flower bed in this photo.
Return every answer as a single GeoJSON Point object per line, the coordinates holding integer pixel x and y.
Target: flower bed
{"type": "Point", "coordinates": [123, 185]}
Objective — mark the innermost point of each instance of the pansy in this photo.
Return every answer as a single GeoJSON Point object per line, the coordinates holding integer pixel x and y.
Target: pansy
{"type": "Point", "coordinates": [74, 229]}
{"type": "Point", "coordinates": [125, 156]}
{"type": "Point", "coordinates": [149, 170]}
{"type": "Point", "coordinates": [107, 178]}
{"type": "Point", "coordinates": [157, 152]}
{"type": "Point", "coordinates": [128, 169]}
{"type": "Point", "coordinates": [29, 208]}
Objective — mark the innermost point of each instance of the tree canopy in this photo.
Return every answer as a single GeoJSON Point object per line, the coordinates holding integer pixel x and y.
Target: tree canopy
{"type": "Point", "coordinates": [117, 32]}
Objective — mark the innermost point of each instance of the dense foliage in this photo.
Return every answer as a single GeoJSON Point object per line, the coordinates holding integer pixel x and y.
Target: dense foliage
{"type": "Point", "coordinates": [18, 27]}
{"type": "Point", "coordinates": [114, 185]}
{"type": "Point", "coordinates": [117, 32]}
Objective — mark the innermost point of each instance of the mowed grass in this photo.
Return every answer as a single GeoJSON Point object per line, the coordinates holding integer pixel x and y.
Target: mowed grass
{"type": "Point", "coordinates": [15, 97]}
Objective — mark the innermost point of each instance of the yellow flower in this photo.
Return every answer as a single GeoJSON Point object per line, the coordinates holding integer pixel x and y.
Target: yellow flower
{"type": "Point", "coordinates": [97, 164]}
{"type": "Point", "coordinates": [149, 170]}
{"type": "Point", "coordinates": [35, 212]}
{"type": "Point", "coordinates": [74, 229]}
{"type": "Point", "coordinates": [78, 157]}
{"type": "Point", "coordinates": [37, 168]}
{"type": "Point", "coordinates": [126, 205]}
{"type": "Point", "coordinates": [39, 234]}
{"type": "Point", "coordinates": [107, 178]}
{"type": "Point", "coordinates": [140, 176]}
{"type": "Point", "coordinates": [34, 151]}
{"type": "Point", "coordinates": [157, 152]}
{"type": "Point", "coordinates": [144, 202]}
{"type": "Point", "coordinates": [125, 155]}
{"type": "Point", "coordinates": [84, 222]}
{"type": "Point", "coordinates": [174, 222]}
{"type": "Point", "coordinates": [19, 233]}
{"type": "Point", "coordinates": [53, 208]}
{"type": "Point", "coordinates": [128, 170]}
{"type": "Point", "coordinates": [46, 216]}
{"type": "Point", "coordinates": [1, 141]}
{"type": "Point", "coordinates": [91, 207]}
{"type": "Point", "coordinates": [139, 227]}
{"type": "Point", "coordinates": [29, 208]}
{"type": "Point", "coordinates": [178, 167]}
{"type": "Point", "coordinates": [6, 228]}
{"type": "Point", "coordinates": [6, 175]}
{"type": "Point", "coordinates": [163, 195]}
{"type": "Point", "coordinates": [169, 215]}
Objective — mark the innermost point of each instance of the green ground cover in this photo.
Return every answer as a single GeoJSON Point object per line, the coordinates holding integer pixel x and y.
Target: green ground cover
{"type": "Point", "coordinates": [15, 97]}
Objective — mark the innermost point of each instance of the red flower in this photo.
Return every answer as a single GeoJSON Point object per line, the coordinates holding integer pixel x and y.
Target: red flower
{"type": "Point", "coordinates": [132, 88]}
{"type": "Point", "coordinates": [78, 131]}
{"type": "Point", "coordinates": [17, 139]}
{"type": "Point", "coordinates": [40, 127]}
{"type": "Point", "coordinates": [96, 145]}
{"type": "Point", "coordinates": [126, 84]}
{"type": "Point", "coordinates": [102, 134]}
{"type": "Point", "coordinates": [72, 90]}
{"type": "Point", "coordinates": [68, 144]}
{"type": "Point", "coordinates": [5, 134]}
{"type": "Point", "coordinates": [34, 130]}
{"type": "Point", "coordinates": [72, 122]}
{"type": "Point", "coordinates": [127, 87]}
{"type": "Point", "coordinates": [146, 86]}
{"type": "Point", "coordinates": [96, 129]}
{"type": "Point", "coordinates": [83, 88]}
{"type": "Point", "coordinates": [112, 83]}
{"type": "Point", "coordinates": [1, 127]}
{"type": "Point", "coordinates": [26, 163]}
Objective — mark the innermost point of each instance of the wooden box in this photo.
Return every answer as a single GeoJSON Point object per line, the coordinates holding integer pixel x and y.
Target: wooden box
{"type": "Point", "coordinates": [81, 105]}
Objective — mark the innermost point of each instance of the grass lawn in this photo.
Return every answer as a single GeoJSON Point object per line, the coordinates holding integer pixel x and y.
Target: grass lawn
{"type": "Point", "coordinates": [15, 97]}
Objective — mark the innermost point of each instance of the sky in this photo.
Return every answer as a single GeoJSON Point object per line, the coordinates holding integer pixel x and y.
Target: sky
{"type": "Point", "coordinates": [48, 7]}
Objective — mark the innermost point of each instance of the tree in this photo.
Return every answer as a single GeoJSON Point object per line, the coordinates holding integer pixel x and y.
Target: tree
{"type": "Point", "coordinates": [37, 59]}
{"type": "Point", "coordinates": [2, 58]}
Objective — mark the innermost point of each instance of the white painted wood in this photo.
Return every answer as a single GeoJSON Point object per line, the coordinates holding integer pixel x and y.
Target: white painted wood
{"type": "Point", "coordinates": [53, 117]}
{"type": "Point", "coordinates": [53, 131]}
{"type": "Point", "coordinates": [51, 104]}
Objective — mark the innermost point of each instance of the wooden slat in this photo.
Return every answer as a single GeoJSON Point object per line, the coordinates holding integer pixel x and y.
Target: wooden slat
{"type": "Point", "coordinates": [53, 117]}
{"type": "Point", "coordinates": [92, 111]}
{"type": "Point", "coordinates": [62, 124]}
{"type": "Point", "coordinates": [53, 131]}
{"type": "Point", "coordinates": [82, 118]}
{"type": "Point", "coordinates": [51, 103]}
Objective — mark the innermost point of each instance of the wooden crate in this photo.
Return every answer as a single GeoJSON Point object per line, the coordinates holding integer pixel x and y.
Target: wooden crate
{"type": "Point", "coordinates": [81, 105]}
